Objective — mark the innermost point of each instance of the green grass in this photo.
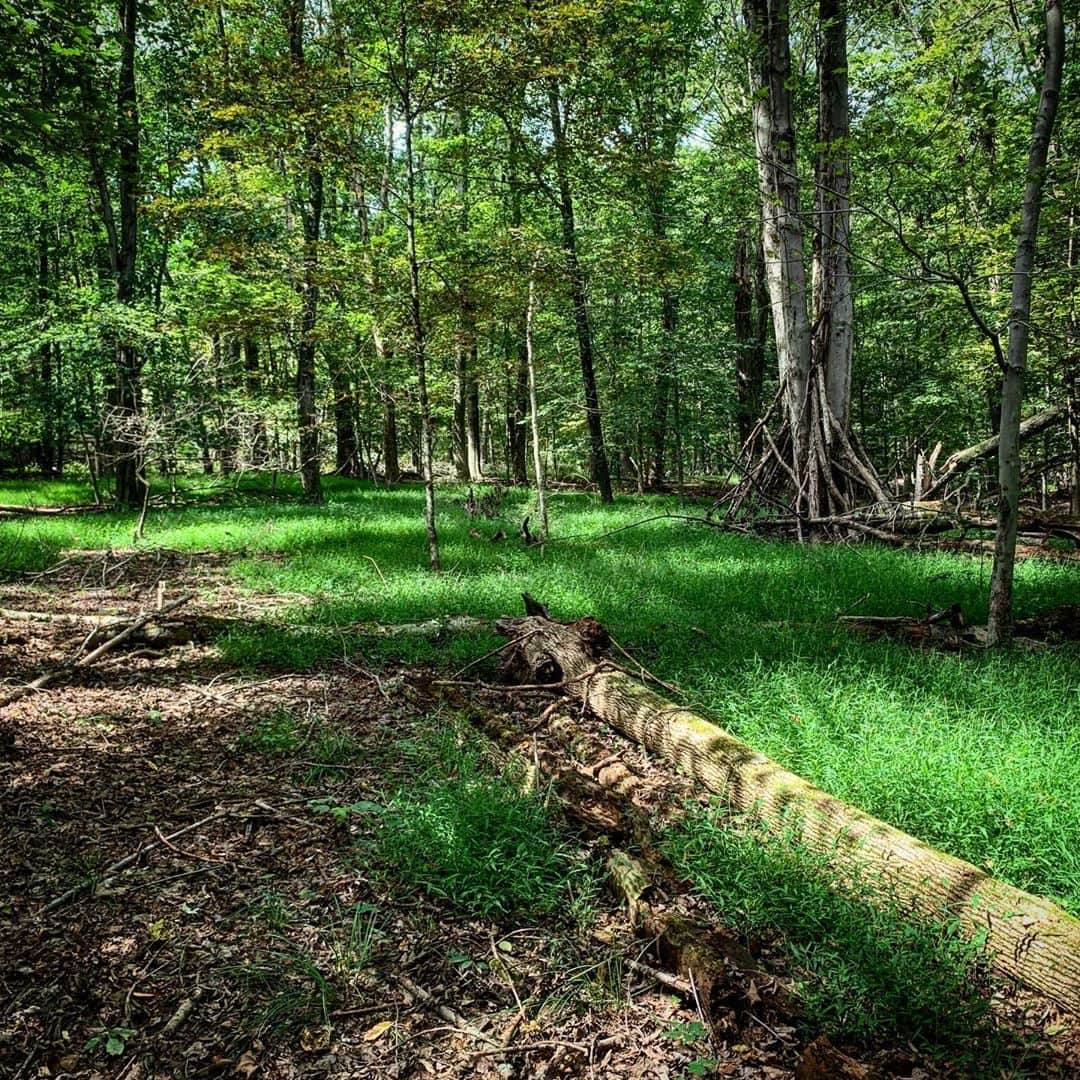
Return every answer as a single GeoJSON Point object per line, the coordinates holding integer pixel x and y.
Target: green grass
{"type": "Point", "coordinates": [275, 735]}
{"type": "Point", "coordinates": [474, 838]}
{"type": "Point", "coordinates": [865, 965]}
{"type": "Point", "coordinates": [974, 753]}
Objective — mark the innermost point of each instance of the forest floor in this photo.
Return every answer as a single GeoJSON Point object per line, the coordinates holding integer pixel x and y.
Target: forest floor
{"type": "Point", "coordinates": [275, 938]}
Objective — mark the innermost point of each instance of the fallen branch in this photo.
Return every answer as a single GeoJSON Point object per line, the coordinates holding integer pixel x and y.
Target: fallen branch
{"type": "Point", "coordinates": [964, 459]}
{"type": "Point", "coordinates": [42, 681]}
{"type": "Point", "coordinates": [1030, 938]}
{"type": "Point", "coordinates": [114, 868]}
{"type": "Point", "coordinates": [451, 1016]}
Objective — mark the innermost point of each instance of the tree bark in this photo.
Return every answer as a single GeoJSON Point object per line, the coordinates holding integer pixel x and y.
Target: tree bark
{"type": "Point", "coordinates": [127, 442]}
{"type": "Point", "coordinates": [750, 357]}
{"type": "Point", "coordinates": [999, 625]}
{"type": "Point", "coordinates": [419, 344]}
{"type": "Point", "coordinates": [311, 208]}
{"type": "Point", "coordinates": [782, 234]}
{"type": "Point", "coordinates": [834, 308]}
{"type": "Point", "coordinates": [1030, 938]}
{"type": "Point", "coordinates": [598, 461]}
{"type": "Point", "coordinates": [346, 447]}
{"type": "Point", "coordinates": [534, 415]}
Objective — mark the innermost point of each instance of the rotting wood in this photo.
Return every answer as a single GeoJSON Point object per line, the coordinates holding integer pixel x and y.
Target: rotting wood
{"type": "Point", "coordinates": [1030, 938]}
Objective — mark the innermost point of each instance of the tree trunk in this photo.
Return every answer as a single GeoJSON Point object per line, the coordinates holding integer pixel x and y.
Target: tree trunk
{"type": "Point", "coordinates": [390, 451]}
{"type": "Point", "coordinates": [518, 383]}
{"type": "Point", "coordinates": [311, 208]}
{"type": "Point", "coordinates": [750, 357]}
{"type": "Point", "coordinates": [782, 234]}
{"type": "Point", "coordinates": [1030, 938]}
{"type": "Point", "coordinates": [127, 442]}
{"type": "Point", "coordinates": [253, 389]}
{"type": "Point", "coordinates": [834, 309]}
{"type": "Point", "coordinates": [814, 450]}
{"type": "Point", "coordinates": [47, 444]}
{"type": "Point", "coordinates": [598, 461]}
{"type": "Point", "coordinates": [999, 625]}
{"type": "Point", "coordinates": [419, 344]}
{"type": "Point", "coordinates": [534, 415]}
{"type": "Point", "coordinates": [346, 450]}
{"type": "Point", "coordinates": [517, 413]}
{"type": "Point", "coordinates": [665, 380]}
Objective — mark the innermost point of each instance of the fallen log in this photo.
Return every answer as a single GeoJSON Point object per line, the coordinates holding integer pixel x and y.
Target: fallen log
{"type": "Point", "coordinates": [967, 457]}
{"type": "Point", "coordinates": [16, 510]}
{"type": "Point", "coordinates": [1030, 938]}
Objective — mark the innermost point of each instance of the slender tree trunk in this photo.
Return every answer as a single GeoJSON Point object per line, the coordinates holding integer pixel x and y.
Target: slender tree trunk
{"type": "Point", "coordinates": [518, 385]}
{"type": "Point", "coordinates": [415, 315]}
{"type": "Point", "coordinates": [311, 209]}
{"type": "Point", "coordinates": [126, 423]}
{"type": "Point", "coordinates": [253, 390]}
{"type": "Point", "coordinates": [665, 378]}
{"type": "Point", "coordinates": [466, 443]}
{"type": "Point", "coordinates": [750, 357]}
{"type": "Point", "coordinates": [47, 445]}
{"type": "Point", "coordinates": [227, 436]}
{"type": "Point", "coordinates": [390, 451]}
{"type": "Point", "coordinates": [1000, 624]}
{"type": "Point", "coordinates": [598, 460]}
{"type": "Point", "coordinates": [534, 413]}
{"type": "Point", "coordinates": [346, 448]}
{"type": "Point", "coordinates": [517, 411]}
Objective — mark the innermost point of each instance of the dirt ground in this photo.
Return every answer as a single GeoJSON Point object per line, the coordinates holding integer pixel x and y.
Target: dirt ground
{"type": "Point", "coordinates": [175, 901]}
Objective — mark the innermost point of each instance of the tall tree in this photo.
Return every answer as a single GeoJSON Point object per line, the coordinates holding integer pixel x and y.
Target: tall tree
{"type": "Point", "coordinates": [310, 201]}
{"type": "Point", "coordinates": [126, 423]}
{"type": "Point", "coordinates": [1000, 625]}
{"type": "Point", "coordinates": [598, 459]}
{"type": "Point", "coordinates": [826, 472]}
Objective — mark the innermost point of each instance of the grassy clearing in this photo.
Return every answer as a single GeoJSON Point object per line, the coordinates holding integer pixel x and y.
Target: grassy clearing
{"type": "Point", "coordinates": [865, 967]}
{"type": "Point", "coordinates": [973, 753]}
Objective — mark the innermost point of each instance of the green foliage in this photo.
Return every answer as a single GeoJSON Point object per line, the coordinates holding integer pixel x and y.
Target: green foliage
{"type": "Point", "coordinates": [869, 966]}
{"type": "Point", "coordinates": [275, 735]}
{"type": "Point", "coordinates": [330, 753]}
{"type": "Point", "coordinates": [480, 842]}
{"type": "Point", "coordinates": [113, 1040]}
{"type": "Point", "coordinates": [284, 991]}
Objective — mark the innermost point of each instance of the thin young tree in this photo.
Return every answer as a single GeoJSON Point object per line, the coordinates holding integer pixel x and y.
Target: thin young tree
{"type": "Point", "coordinates": [1000, 625]}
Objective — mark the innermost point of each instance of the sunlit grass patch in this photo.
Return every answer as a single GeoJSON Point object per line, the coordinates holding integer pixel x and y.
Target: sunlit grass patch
{"type": "Point", "coordinates": [866, 965]}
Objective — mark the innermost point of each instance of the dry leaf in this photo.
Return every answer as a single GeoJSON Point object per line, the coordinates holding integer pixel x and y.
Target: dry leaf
{"type": "Point", "coordinates": [381, 1028]}
{"type": "Point", "coordinates": [247, 1065]}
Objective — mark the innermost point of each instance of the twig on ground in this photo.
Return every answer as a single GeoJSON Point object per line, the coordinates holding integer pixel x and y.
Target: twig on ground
{"type": "Point", "coordinates": [187, 1006]}
{"type": "Point", "coordinates": [128, 860]}
{"type": "Point", "coordinates": [547, 1044]}
{"type": "Point", "coordinates": [42, 681]}
{"type": "Point", "coordinates": [180, 851]}
{"type": "Point", "coordinates": [448, 1014]}
{"type": "Point", "coordinates": [495, 652]}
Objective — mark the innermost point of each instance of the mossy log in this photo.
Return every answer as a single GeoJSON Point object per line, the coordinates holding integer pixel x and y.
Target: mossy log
{"type": "Point", "coordinates": [1030, 938]}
